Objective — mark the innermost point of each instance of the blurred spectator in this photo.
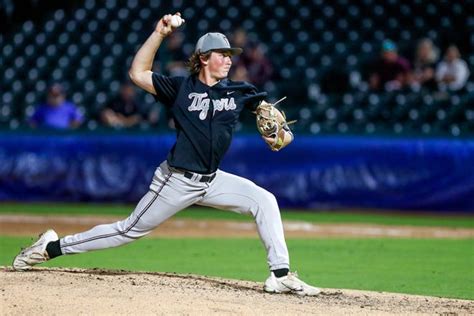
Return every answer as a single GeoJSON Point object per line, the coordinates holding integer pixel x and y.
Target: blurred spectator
{"type": "Point", "coordinates": [391, 71]}
{"type": "Point", "coordinates": [239, 39]}
{"type": "Point", "coordinates": [424, 65]}
{"type": "Point", "coordinates": [452, 72]}
{"type": "Point", "coordinates": [259, 68]}
{"type": "Point", "coordinates": [56, 112]}
{"type": "Point", "coordinates": [122, 111]}
{"type": "Point", "coordinates": [238, 72]}
{"type": "Point", "coordinates": [252, 65]}
{"type": "Point", "coordinates": [172, 57]}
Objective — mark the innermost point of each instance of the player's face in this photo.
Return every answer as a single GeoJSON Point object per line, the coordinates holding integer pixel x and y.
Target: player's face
{"type": "Point", "coordinates": [219, 64]}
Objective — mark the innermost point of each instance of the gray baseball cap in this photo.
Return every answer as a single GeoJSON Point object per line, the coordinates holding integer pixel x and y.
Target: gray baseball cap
{"type": "Point", "coordinates": [215, 41]}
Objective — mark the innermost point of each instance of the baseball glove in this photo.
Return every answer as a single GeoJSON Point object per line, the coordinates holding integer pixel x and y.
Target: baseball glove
{"type": "Point", "coordinates": [272, 125]}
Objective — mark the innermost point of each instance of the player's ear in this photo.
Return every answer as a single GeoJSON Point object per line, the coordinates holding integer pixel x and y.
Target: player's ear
{"type": "Point", "coordinates": [204, 60]}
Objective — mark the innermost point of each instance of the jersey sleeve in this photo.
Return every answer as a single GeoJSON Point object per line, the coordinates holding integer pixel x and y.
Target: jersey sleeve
{"type": "Point", "coordinates": [166, 88]}
{"type": "Point", "coordinates": [252, 98]}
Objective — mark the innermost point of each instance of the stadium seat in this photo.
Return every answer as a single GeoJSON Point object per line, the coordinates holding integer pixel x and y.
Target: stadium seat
{"type": "Point", "coordinates": [327, 47]}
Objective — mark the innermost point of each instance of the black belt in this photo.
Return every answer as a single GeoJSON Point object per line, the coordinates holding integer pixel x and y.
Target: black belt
{"type": "Point", "coordinates": [202, 178]}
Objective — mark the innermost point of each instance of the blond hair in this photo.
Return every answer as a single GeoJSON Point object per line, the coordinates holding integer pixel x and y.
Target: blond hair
{"type": "Point", "coordinates": [194, 64]}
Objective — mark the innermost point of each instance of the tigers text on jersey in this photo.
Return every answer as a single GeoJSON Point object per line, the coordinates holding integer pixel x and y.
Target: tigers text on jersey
{"type": "Point", "coordinates": [205, 117]}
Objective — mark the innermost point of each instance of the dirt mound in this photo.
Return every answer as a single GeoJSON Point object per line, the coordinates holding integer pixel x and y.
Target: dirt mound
{"type": "Point", "coordinates": [76, 291]}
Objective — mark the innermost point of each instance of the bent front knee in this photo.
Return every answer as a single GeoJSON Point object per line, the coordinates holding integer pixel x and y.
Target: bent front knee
{"type": "Point", "coordinates": [267, 202]}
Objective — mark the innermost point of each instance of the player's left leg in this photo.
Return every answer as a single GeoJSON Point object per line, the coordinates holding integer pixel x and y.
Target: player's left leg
{"type": "Point", "coordinates": [168, 194]}
{"type": "Point", "coordinates": [234, 193]}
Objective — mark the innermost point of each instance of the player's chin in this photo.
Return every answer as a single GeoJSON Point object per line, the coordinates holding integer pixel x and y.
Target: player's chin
{"type": "Point", "coordinates": [224, 74]}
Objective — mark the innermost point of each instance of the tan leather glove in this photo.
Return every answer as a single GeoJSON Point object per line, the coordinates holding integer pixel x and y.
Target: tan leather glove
{"type": "Point", "coordinates": [272, 125]}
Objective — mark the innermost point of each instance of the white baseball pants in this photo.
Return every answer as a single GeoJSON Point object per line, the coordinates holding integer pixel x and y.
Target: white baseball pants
{"type": "Point", "coordinates": [170, 192]}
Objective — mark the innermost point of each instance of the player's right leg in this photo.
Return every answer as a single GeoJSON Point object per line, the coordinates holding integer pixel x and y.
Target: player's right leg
{"type": "Point", "coordinates": [166, 197]}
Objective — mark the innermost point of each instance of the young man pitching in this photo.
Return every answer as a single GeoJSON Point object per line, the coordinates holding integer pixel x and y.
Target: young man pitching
{"type": "Point", "coordinates": [206, 107]}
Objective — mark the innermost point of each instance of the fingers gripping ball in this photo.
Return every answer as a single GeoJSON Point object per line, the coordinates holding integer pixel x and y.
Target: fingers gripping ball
{"type": "Point", "coordinates": [176, 21]}
{"type": "Point", "coordinates": [168, 23]}
{"type": "Point", "coordinates": [272, 125]}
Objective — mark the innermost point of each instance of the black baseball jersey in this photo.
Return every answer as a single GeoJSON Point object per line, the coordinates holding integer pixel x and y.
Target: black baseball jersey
{"type": "Point", "coordinates": [205, 117]}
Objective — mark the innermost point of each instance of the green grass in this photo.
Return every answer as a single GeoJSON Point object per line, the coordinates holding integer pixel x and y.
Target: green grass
{"type": "Point", "coordinates": [206, 213]}
{"type": "Point", "coordinates": [418, 266]}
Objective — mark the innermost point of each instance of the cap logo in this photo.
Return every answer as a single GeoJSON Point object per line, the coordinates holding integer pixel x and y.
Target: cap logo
{"type": "Point", "coordinates": [225, 39]}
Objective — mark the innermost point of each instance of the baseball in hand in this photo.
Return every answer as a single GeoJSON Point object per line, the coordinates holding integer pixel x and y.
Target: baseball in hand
{"type": "Point", "coordinates": [176, 21]}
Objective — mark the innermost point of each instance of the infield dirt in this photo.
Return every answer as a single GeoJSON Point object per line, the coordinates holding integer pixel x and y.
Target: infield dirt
{"type": "Point", "coordinates": [53, 291]}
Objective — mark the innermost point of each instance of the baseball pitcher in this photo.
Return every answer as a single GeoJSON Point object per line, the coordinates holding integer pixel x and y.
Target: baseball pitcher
{"type": "Point", "coordinates": [205, 106]}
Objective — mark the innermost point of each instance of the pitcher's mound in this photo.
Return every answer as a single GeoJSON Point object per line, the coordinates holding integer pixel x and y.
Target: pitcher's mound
{"type": "Point", "coordinates": [46, 291]}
